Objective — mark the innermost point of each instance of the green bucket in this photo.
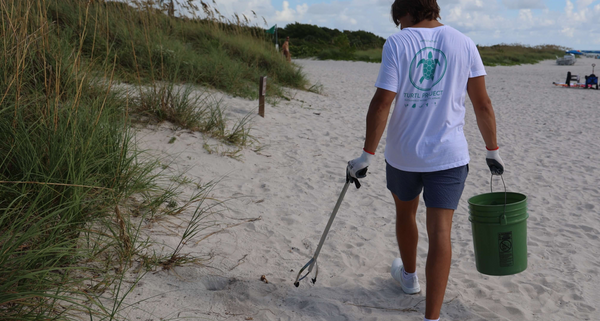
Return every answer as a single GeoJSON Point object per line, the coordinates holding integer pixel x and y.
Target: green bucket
{"type": "Point", "coordinates": [499, 226]}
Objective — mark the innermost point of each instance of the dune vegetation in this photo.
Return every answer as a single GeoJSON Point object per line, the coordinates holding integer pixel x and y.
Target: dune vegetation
{"type": "Point", "coordinates": [75, 192]}
{"type": "Point", "coordinates": [310, 41]}
{"type": "Point", "coordinates": [517, 54]}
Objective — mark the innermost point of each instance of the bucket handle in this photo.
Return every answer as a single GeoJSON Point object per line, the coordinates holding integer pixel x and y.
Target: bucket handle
{"type": "Point", "coordinates": [503, 220]}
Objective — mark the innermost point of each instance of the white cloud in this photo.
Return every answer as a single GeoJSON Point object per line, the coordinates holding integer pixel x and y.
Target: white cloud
{"type": "Point", "coordinates": [568, 31]}
{"type": "Point", "coordinates": [476, 5]}
{"type": "Point", "coordinates": [525, 16]}
{"type": "Point", "coordinates": [288, 14]}
{"type": "Point", "coordinates": [469, 15]}
{"type": "Point", "coordinates": [583, 4]}
{"type": "Point", "coordinates": [347, 19]}
{"type": "Point", "coordinates": [572, 14]}
{"type": "Point", "coordinates": [524, 4]}
{"type": "Point", "coordinates": [583, 16]}
{"type": "Point", "coordinates": [487, 22]}
{"type": "Point", "coordinates": [573, 27]}
{"type": "Point", "coordinates": [326, 8]}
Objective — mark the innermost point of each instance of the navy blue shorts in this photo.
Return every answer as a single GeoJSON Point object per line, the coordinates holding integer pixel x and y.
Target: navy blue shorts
{"type": "Point", "coordinates": [441, 189]}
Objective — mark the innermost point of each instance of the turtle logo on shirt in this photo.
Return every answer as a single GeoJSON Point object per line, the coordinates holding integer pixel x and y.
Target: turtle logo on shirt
{"type": "Point", "coordinates": [427, 68]}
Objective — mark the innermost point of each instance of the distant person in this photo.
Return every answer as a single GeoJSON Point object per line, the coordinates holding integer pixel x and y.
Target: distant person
{"type": "Point", "coordinates": [427, 67]}
{"type": "Point", "coordinates": [286, 49]}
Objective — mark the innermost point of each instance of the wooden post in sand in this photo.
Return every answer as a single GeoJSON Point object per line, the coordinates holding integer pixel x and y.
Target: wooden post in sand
{"type": "Point", "coordinates": [262, 91]}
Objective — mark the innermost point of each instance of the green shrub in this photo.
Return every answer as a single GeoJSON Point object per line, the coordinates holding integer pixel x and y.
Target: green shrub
{"type": "Point", "coordinates": [517, 54]}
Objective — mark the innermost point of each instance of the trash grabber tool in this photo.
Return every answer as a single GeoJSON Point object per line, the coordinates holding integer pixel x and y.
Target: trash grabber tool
{"type": "Point", "coordinates": [313, 261]}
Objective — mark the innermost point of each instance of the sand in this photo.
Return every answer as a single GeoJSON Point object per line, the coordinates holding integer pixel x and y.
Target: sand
{"type": "Point", "coordinates": [282, 190]}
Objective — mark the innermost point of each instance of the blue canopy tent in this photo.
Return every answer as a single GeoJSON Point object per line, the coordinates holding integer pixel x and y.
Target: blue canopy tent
{"type": "Point", "coordinates": [583, 52]}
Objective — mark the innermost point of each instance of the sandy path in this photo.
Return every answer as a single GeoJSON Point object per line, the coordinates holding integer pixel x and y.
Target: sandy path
{"type": "Point", "coordinates": [548, 138]}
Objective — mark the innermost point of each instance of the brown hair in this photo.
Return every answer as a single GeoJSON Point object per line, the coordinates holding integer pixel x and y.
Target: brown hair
{"type": "Point", "coordinates": [418, 9]}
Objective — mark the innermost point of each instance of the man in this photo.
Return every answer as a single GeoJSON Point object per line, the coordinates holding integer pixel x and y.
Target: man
{"type": "Point", "coordinates": [286, 50]}
{"type": "Point", "coordinates": [427, 67]}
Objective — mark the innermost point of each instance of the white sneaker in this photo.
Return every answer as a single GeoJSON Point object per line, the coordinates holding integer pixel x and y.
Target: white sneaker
{"type": "Point", "coordinates": [409, 286]}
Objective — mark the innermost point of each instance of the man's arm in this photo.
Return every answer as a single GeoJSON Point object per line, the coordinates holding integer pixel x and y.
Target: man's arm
{"type": "Point", "coordinates": [484, 112]}
{"type": "Point", "coordinates": [486, 121]}
{"type": "Point", "coordinates": [379, 110]}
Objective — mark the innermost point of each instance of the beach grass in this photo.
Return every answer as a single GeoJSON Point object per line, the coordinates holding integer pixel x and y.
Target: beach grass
{"type": "Point", "coordinates": [496, 55]}
{"type": "Point", "coordinates": [155, 46]}
{"type": "Point", "coordinates": [75, 192]}
{"type": "Point", "coordinates": [369, 55]}
{"type": "Point", "coordinates": [517, 54]}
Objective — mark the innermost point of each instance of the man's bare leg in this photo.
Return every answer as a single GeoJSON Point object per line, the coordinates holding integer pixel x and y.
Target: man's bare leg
{"type": "Point", "coordinates": [439, 258]}
{"type": "Point", "coordinates": [407, 233]}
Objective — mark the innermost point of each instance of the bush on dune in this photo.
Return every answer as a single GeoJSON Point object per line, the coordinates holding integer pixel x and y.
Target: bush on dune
{"type": "Point", "coordinates": [517, 54]}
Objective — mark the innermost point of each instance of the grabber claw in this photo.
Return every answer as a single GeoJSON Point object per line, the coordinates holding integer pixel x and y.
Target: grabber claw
{"type": "Point", "coordinates": [308, 265]}
{"type": "Point", "coordinates": [313, 261]}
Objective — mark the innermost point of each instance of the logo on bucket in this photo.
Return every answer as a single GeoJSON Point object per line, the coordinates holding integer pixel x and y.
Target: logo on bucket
{"type": "Point", "coordinates": [505, 246]}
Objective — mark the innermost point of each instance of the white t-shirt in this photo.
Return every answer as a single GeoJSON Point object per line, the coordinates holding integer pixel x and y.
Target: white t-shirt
{"type": "Point", "coordinates": [428, 69]}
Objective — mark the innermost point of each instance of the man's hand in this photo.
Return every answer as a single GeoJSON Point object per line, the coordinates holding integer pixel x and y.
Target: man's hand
{"type": "Point", "coordinates": [357, 168]}
{"type": "Point", "coordinates": [494, 161]}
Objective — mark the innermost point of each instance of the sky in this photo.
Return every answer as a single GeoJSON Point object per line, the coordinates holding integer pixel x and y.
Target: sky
{"type": "Point", "coordinates": [569, 23]}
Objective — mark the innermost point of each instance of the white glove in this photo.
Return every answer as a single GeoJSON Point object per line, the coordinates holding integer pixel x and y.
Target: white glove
{"type": "Point", "coordinates": [494, 161]}
{"type": "Point", "coordinates": [357, 168]}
